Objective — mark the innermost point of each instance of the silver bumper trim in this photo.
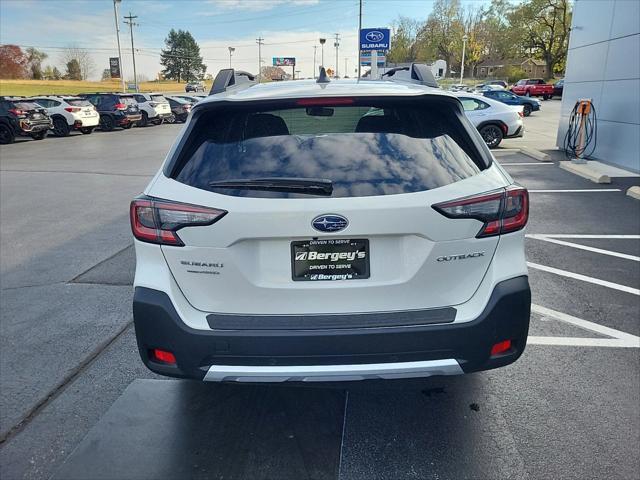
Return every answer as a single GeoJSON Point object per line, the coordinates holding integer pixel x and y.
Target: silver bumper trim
{"type": "Point", "coordinates": [332, 373]}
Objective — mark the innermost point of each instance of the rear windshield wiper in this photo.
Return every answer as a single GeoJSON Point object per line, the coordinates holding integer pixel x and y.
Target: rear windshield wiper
{"type": "Point", "coordinates": [311, 186]}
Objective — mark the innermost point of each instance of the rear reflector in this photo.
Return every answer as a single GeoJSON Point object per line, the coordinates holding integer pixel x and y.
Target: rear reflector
{"type": "Point", "coordinates": [501, 347]}
{"type": "Point", "coordinates": [157, 221]}
{"type": "Point", "coordinates": [502, 211]}
{"type": "Point", "coordinates": [163, 356]}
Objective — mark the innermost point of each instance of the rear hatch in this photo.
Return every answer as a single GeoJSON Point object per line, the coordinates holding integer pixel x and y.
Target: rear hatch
{"type": "Point", "coordinates": [160, 104]}
{"type": "Point", "coordinates": [131, 104]}
{"type": "Point", "coordinates": [329, 207]}
{"type": "Point", "coordinates": [30, 114]}
{"type": "Point", "coordinates": [87, 110]}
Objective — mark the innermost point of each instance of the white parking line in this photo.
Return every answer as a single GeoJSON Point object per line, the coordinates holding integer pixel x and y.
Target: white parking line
{"type": "Point", "coordinates": [619, 339]}
{"type": "Point", "coordinates": [584, 278]}
{"type": "Point", "coordinates": [579, 235]}
{"type": "Point", "coordinates": [527, 163]}
{"type": "Point", "coordinates": [546, 238]}
{"type": "Point", "coordinates": [583, 190]}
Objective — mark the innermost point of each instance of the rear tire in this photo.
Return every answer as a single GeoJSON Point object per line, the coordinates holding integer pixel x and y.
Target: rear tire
{"type": "Point", "coordinates": [106, 123]}
{"type": "Point", "coordinates": [546, 97]}
{"type": "Point", "coordinates": [39, 135]}
{"type": "Point", "coordinates": [87, 130]}
{"type": "Point", "coordinates": [171, 119]}
{"type": "Point", "coordinates": [6, 134]}
{"type": "Point", "coordinates": [145, 120]}
{"type": "Point", "coordinates": [60, 127]}
{"type": "Point", "coordinates": [527, 93]}
{"type": "Point", "coordinates": [527, 110]}
{"type": "Point", "coordinates": [127, 126]}
{"type": "Point", "coordinates": [492, 135]}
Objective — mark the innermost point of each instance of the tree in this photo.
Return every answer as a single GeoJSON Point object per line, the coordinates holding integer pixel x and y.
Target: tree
{"type": "Point", "coordinates": [404, 47]}
{"type": "Point", "coordinates": [106, 74]}
{"type": "Point", "coordinates": [545, 26]}
{"type": "Point", "coordinates": [442, 33]}
{"type": "Point", "coordinates": [56, 74]}
{"type": "Point", "coordinates": [13, 62]}
{"type": "Point", "coordinates": [47, 74]}
{"type": "Point", "coordinates": [82, 57]}
{"type": "Point", "coordinates": [274, 73]}
{"type": "Point", "coordinates": [74, 72]}
{"type": "Point", "coordinates": [181, 58]}
{"type": "Point", "coordinates": [34, 62]}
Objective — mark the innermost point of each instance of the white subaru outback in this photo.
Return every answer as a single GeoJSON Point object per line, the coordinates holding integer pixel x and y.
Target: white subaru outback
{"type": "Point", "coordinates": [325, 231]}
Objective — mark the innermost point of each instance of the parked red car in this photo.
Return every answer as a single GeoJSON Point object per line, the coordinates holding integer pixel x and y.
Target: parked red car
{"type": "Point", "coordinates": [533, 87]}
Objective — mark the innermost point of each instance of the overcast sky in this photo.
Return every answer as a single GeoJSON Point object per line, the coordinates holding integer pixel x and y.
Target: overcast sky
{"type": "Point", "coordinates": [290, 28]}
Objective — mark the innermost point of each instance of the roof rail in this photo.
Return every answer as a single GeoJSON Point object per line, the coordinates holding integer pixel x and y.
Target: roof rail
{"type": "Point", "coordinates": [228, 77]}
{"type": "Point", "coordinates": [416, 73]}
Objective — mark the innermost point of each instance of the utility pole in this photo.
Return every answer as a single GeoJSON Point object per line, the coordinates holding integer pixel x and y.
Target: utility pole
{"type": "Point", "coordinates": [359, 30]}
{"type": "Point", "coordinates": [115, 14]}
{"type": "Point", "coordinates": [337, 44]}
{"type": "Point", "coordinates": [315, 48]}
{"type": "Point", "coordinates": [259, 41]}
{"type": "Point", "coordinates": [464, 45]}
{"type": "Point", "coordinates": [346, 72]}
{"type": "Point", "coordinates": [131, 24]}
{"type": "Point", "coordinates": [322, 42]}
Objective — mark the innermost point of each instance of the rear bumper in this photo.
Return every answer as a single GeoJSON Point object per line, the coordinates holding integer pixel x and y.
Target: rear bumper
{"type": "Point", "coordinates": [130, 119]}
{"type": "Point", "coordinates": [34, 127]}
{"type": "Point", "coordinates": [333, 354]}
{"type": "Point", "coordinates": [518, 133]}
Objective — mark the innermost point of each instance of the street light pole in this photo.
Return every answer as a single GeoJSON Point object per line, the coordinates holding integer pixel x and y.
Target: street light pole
{"type": "Point", "coordinates": [464, 46]}
{"type": "Point", "coordinates": [315, 48]}
{"type": "Point", "coordinates": [359, 30]}
{"type": "Point", "coordinates": [337, 44]}
{"type": "Point", "coordinates": [231, 50]}
{"type": "Point", "coordinates": [115, 14]}
{"type": "Point", "coordinates": [259, 41]}
{"type": "Point", "coordinates": [322, 42]}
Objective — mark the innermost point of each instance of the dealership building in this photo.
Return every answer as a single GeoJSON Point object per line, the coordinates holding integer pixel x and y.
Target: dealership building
{"type": "Point", "coordinates": [603, 65]}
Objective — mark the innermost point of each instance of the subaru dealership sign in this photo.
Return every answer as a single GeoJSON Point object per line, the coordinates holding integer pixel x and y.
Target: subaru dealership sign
{"type": "Point", "coordinates": [375, 39]}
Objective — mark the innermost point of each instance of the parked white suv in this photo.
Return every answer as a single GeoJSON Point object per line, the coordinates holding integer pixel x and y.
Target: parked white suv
{"type": "Point", "coordinates": [69, 113]}
{"type": "Point", "coordinates": [153, 107]}
{"type": "Point", "coordinates": [494, 120]}
{"type": "Point", "coordinates": [323, 231]}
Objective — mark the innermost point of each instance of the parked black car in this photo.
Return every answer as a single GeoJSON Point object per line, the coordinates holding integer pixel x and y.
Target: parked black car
{"type": "Point", "coordinates": [558, 87]}
{"type": "Point", "coordinates": [115, 109]}
{"type": "Point", "coordinates": [22, 117]}
{"type": "Point", "coordinates": [529, 104]}
{"type": "Point", "coordinates": [180, 108]}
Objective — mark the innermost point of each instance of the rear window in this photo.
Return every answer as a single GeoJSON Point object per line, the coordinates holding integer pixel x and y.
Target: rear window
{"type": "Point", "coordinates": [158, 98]}
{"type": "Point", "coordinates": [78, 102]}
{"type": "Point", "coordinates": [364, 150]}
{"type": "Point", "coordinates": [128, 100]}
{"type": "Point", "coordinates": [26, 105]}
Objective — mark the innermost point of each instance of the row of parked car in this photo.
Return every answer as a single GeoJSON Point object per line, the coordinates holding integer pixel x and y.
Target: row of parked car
{"type": "Point", "coordinates": [35, 116]}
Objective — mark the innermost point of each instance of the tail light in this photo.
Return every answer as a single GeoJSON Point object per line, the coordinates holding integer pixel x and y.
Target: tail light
{"type": "Point", "coordinates": [157, 221]}
{"type": "Point", "coordinates": [120, 106]}
{"type": "Point", "coordinates": [186, 108]}
{"type": "Point", "coordinates": [72, 109]}
{"type": "Point", "coordinates": [503, 211]}
{"type": "Point", "coordinates": [17, 112]}
{"type": "Point", "coordinates": [520, 113]}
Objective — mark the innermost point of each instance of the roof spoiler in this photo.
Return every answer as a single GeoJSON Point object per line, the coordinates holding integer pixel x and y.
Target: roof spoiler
{"type": "Point", "coordinates": [416, 73]}
{"type": "Point", "coordinates": [228, 77]}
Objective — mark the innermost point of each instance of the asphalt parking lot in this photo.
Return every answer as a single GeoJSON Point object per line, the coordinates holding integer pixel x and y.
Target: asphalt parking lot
{"type": "Point", "coordinates": [76, 401]}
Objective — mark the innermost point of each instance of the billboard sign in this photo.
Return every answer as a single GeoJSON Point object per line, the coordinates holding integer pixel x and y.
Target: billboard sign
{"type": "Point", "coordinates": [284, 61]}
{"type": "Point", "coordinates": [114, 67]}
{"type": "Point", "coordinates": [375, 39]}
{"type": "Point", "coordinates": [365, 59]}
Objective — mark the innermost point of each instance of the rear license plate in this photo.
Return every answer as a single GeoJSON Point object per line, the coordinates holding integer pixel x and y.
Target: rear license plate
{"type": "Point", "coordinates": [330, 259]}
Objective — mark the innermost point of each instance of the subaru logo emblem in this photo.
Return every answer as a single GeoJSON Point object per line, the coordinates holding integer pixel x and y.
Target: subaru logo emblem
{"type": "Point", "coordinates": [374, 36]}
{"type": "Point", "coordinates": [329, 223]}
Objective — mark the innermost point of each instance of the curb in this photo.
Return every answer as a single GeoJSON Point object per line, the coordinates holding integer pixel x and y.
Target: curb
{"type": "Point", "coordinates": [535, 154]}
{"type": "Point", "coordinates": [584, 171]}
{"type": "Point", "coordinates": [634, 192]}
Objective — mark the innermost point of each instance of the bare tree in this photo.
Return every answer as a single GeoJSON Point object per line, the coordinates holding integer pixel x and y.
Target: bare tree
{"type": "Point", "coordinates": [82, 56]}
